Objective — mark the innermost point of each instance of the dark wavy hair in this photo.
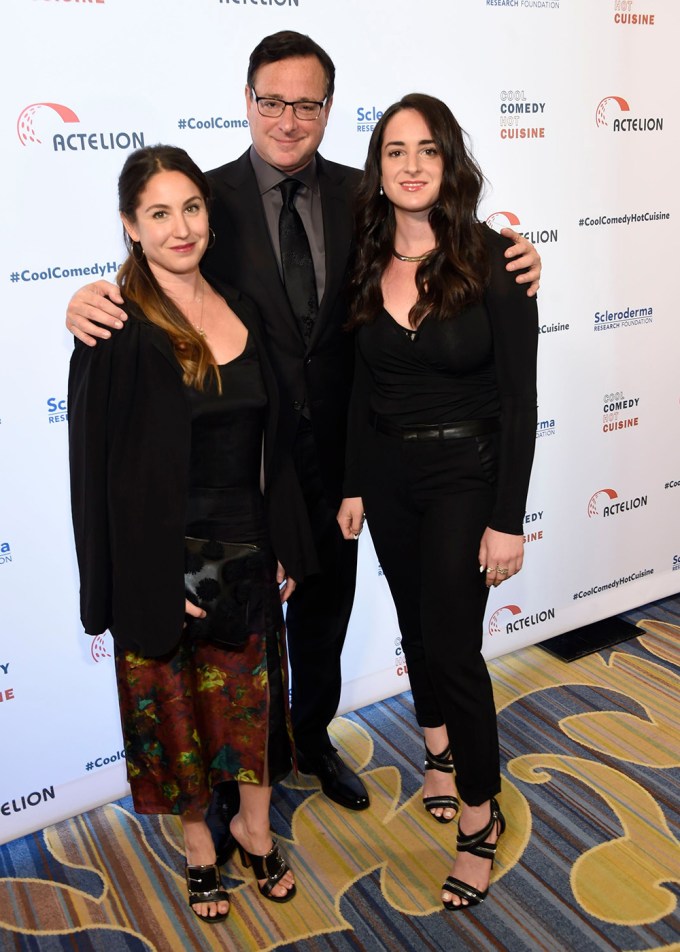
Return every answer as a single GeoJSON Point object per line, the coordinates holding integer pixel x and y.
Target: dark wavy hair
{"type": "Point", "coordinates": [455, 274]}
{"type": "Point", "coordinates": [288, 44]}
{"type": "Point", "coordinates": [136, 279]}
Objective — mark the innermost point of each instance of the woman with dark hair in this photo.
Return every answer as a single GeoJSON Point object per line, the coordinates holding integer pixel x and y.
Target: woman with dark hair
{"type": "Point", "coordinates": [441, 440]}
{"type": "Point", "coordinates": [172, 422]}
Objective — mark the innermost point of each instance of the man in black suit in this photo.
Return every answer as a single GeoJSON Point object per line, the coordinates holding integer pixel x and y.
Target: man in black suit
{"type": "Point", "coordinates": [289, 94]}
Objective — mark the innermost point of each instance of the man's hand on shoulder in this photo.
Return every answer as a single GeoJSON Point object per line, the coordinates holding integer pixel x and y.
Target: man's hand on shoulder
{"type": "Point", "coordinates": [93, 309]}
{"type": "Point", "coordinates": [523, 255]}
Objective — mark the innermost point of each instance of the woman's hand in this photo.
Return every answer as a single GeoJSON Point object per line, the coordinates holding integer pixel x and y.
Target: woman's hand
{"type": "Point", "coordinates": [351, 517]}
{"type": "Point", "coordinates": [500, 556]}
{"type": "Point", "coordinates": [193, 610]}
{"type": "Point", "coordinates": [286, 585]}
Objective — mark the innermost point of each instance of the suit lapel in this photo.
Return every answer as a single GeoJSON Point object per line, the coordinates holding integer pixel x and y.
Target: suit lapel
{"type": "Point", "coordinates": [255, 253]}
{"type": "Point", "coordinates": [337, 228]}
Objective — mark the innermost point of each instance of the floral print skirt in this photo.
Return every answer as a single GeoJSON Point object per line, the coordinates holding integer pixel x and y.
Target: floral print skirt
{"type": "Point", "coordinates": [201, 715]}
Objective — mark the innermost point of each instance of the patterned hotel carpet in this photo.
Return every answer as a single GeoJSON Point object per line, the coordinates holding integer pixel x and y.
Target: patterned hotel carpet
{"type": "Point", "coordinates": [591, 859]}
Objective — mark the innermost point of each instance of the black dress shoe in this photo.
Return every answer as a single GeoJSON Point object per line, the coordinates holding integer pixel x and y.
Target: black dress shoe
{"type": "Point", "coordinates": [338, 782]}
{"type": "Point", "coordinates": [224, 805]}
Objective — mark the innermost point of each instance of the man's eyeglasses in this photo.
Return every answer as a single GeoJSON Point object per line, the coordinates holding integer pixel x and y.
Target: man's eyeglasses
{"type": "Point", "coordinates": [273, 108]}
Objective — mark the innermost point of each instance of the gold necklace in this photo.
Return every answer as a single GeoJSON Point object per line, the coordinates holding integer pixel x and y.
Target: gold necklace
{"type": "Point", "coordinates": [200, 321]}
{"type": "Point", "coordinates": [412, 257]}
{"type": "Point", "coordinates": [199, 327]}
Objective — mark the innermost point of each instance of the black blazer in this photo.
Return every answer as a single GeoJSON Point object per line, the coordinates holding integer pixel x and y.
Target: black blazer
{"type": "Point", "coordinates": [244, 257]}
{"type": "Point", "coordinates": [129, 449]}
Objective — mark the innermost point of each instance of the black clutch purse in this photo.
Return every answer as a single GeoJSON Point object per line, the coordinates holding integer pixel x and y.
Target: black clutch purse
{"type": "Point", "coordinates": [227, 579]}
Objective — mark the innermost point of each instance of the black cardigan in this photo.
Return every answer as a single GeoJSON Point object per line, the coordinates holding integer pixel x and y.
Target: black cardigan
{"type": "Point", "coordinates": [129, 447]}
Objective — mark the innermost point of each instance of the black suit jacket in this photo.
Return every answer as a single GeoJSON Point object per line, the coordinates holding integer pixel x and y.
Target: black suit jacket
{"type": "Point", "coordinates": [319, 375]}
{"type": "Point", "coordinates": [129, 453]}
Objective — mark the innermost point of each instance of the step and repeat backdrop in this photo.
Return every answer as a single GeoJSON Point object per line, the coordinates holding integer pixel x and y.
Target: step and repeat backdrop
{"type": "Point", "coordinates": [573, 117]}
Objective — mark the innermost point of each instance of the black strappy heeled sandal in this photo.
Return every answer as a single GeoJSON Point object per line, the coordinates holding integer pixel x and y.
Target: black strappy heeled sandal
{"type": "Point", "coordinates": [272, 867]}
{"type": "Point", "coordinates": [477, 845]}
{"type": "Point", "coordinates": [444, 764]}
{"type": "Point", "coordinates": [204, 885]}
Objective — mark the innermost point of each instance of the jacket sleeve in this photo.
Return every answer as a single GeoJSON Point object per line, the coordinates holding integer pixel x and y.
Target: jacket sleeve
{"type": "Point", "coordinates": [288, 520]}
{"type": "Point", "coordinates": [358, 424]}
{"type": "Point", "coordinates": [88, 401]}
{"type": "Point", "coordinates": [129, 439]}
{"type": "Point", "coordinates": [514, 323]}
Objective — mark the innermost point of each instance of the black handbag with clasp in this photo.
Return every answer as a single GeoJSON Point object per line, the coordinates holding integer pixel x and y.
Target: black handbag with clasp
{"type": "Point", "coordinates": [227, 580]}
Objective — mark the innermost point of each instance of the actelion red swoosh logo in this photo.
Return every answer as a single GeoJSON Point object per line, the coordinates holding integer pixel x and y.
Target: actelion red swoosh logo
{"type": "Point", "coordinates": [98, 649]}
{"type": "Point", "coordinates": [594, 500]}
{"type": "Point", "coordinates": [606, 106]}
{"type": "Point", "coordinates": [25, 122]}
{"type": "Point", "coordinates": [498, 220]}
{"type": "Point", "coordinates": [494, 622]}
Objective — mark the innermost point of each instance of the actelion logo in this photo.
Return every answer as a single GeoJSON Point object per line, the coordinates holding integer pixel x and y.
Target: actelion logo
{"type": "Point", "coordinates": [499, 220]}
{"type": "Point", "coordinates": [25, 122]}
{"type": "Point", "coordinates": [5, 553]}
{"type": "Point", "coordinates": [598, 505]}
{"type": "Point", "coordinates": [608, 113]}
{"type": "Point", "coordinates": [495, 622]}
{"type": "Point", "coordinates": [597, 500]}
{"type": "Point", "coordinates": [509, 619]}
{"type": "Point", "coordinates": [27, 801]}
{"type": "Point", "coordinates": [261, 3]}
{"type": "Point", "coordinates": [98, 649]}
{"type": "Point", "coordinates": [41, 114]}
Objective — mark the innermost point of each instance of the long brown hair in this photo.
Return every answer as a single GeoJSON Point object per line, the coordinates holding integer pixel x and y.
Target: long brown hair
{"type": "Point", "coordinates": [136, 279]}
{"type": "Point", "coordinates": [455, 274]}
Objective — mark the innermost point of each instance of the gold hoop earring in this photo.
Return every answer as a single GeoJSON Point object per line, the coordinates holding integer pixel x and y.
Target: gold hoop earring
{"type": "Point", "coordinates": [137, 251]}
{"type": "Point", "coordinates": [213, 236]}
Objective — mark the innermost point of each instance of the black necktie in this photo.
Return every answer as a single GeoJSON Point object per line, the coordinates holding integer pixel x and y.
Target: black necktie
{"type": "Point", "coordinates": [296, 260]}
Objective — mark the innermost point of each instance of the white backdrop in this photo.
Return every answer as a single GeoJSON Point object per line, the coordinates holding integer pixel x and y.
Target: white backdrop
{"type": "Point", "coordinates": [571, 113]}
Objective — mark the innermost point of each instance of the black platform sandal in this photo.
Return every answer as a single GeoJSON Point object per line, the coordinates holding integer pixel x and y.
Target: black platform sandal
{"type": "Point", "coordinates": [477, 845]}
{"type": "Point", "coordinates": [444, 764]}
{"type": "Point", "coordinates": [204, 885]}
{"type": "Point", "coordinates": [272, 867]}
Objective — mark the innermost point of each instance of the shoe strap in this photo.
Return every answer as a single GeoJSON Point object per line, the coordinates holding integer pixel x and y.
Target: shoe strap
{"type": "Point", "coordinates": [442, 762]}
{"type": "Point", "coordinates": [464, 890]}
{"type": "Point", "coordinates": [476, 843]}
{"type": "Point", "coordinates": [447, 802]}
{"type": "Point", "coordinates": [272, 866]}
{"type": "Point", "coordinates": [203, 880]}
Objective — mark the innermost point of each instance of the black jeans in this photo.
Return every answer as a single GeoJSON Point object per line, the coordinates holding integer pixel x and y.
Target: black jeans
{"type": "Point", "coordinates": [427, 504]}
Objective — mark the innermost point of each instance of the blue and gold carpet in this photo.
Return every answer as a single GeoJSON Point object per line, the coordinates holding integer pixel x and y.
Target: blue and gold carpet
{"type": "Point", "coordinates": [590, 862]}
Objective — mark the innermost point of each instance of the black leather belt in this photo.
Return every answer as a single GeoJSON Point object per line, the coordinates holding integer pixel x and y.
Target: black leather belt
{"type": "Point", "coordinates": [442, 431]}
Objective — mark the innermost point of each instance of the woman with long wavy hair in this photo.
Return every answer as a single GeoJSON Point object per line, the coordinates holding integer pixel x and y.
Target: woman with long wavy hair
{"type": "Point", "coordinates": [441, 437]}
{"type": "Point", "coordinates": [173, 428]}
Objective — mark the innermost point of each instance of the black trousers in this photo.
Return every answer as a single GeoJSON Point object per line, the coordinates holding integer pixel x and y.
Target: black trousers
{"type": "Point", "coordinates": [318, 611]}
{"type": "Point", "coordinates": [427, 504]}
